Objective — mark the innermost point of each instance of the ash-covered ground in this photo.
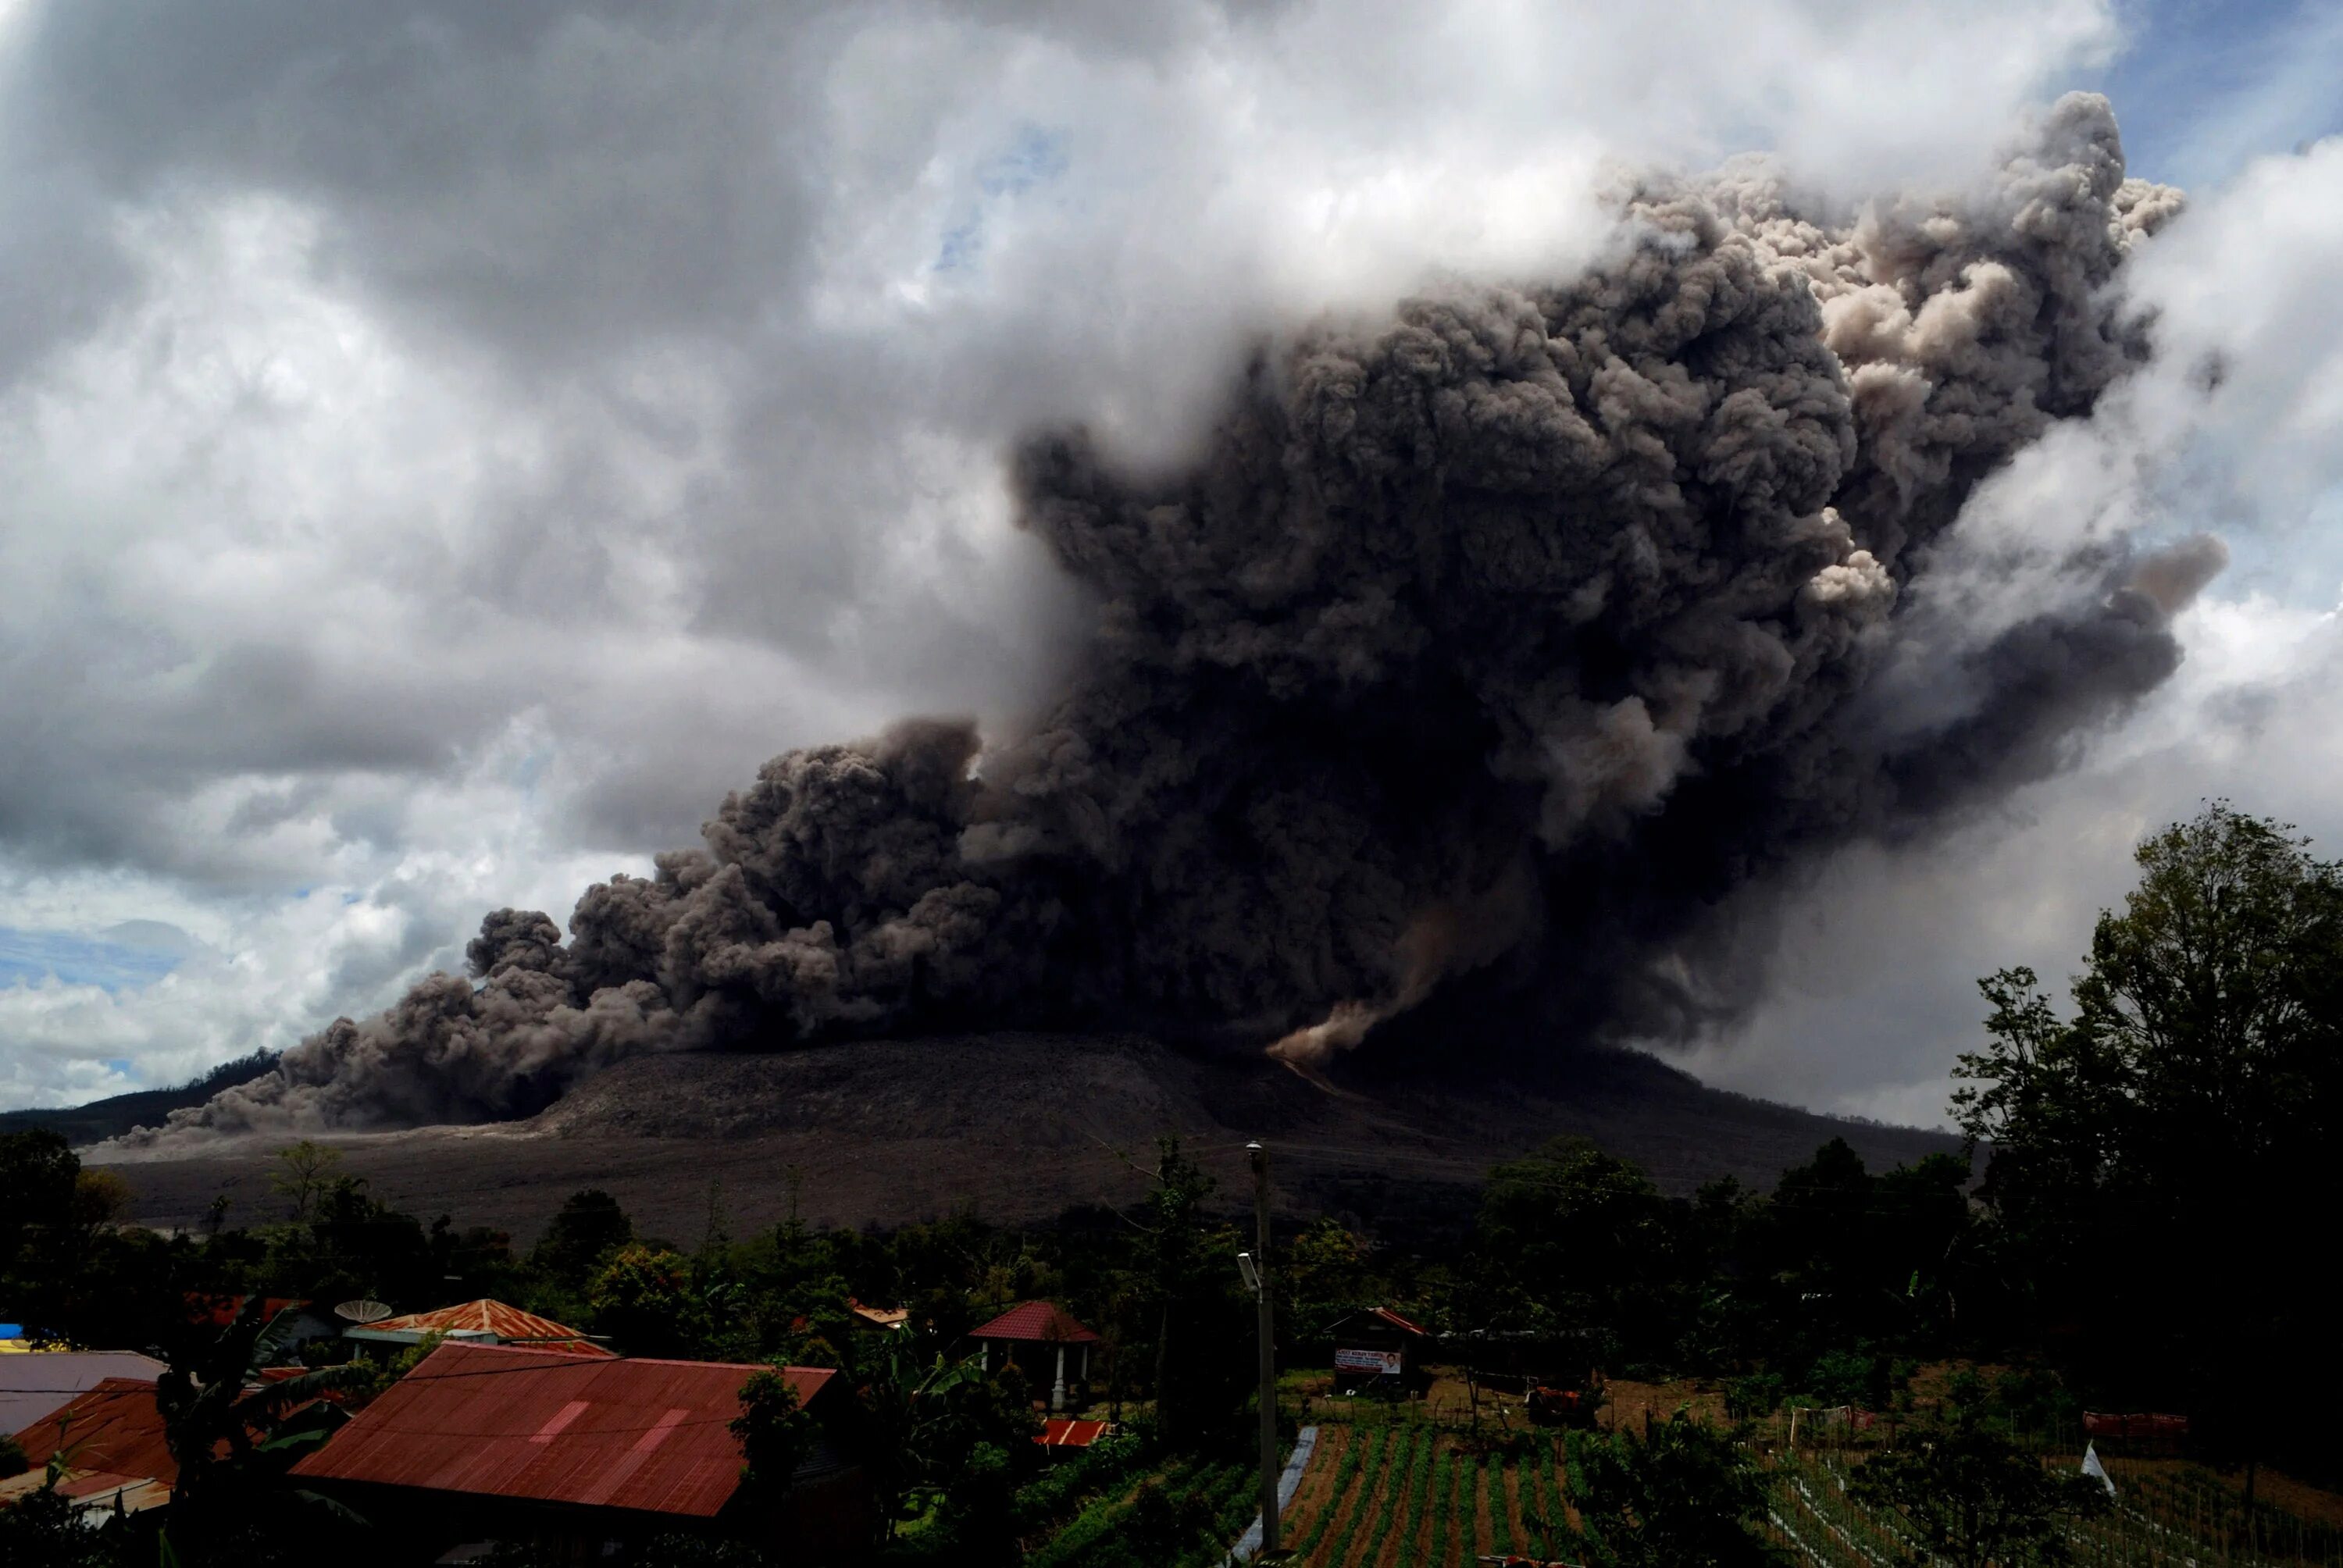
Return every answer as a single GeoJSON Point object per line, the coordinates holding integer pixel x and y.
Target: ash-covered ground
{"type": "Point", "coordinates": [1021, 1127]}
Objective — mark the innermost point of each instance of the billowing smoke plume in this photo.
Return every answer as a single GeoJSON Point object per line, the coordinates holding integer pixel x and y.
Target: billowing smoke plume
{"type": "Point", "coordinates": [1508, 632]}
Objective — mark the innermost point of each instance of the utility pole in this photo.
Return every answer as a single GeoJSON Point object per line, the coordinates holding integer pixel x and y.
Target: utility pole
{"type": "Point", "coordinates": [1264, 1301]}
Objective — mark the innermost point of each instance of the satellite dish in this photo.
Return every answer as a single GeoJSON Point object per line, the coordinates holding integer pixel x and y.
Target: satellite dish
{"type": "Point", "coordinates": [362, 1311]}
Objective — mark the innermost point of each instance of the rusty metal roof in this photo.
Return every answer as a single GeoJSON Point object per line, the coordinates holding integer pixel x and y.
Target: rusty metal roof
{"type": "Point", "coordinates": [114, 1428]}
{"type": "Point", "coordinates": [511, 1421]}
{"type": "Point", "coordinates": [93, 1492]}
{"type": "Point", "coordinates": [1060, 1432]}
{"type": "Point", "coordinates": [484, 1316]}
{"type": "Point", "coordinates": [1044, 1322]}
{"type": "Point", "coordinates": [33, 1386]}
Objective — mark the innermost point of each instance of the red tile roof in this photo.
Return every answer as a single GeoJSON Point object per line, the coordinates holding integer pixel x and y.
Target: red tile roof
{"type": "Point", "coordinates": [1044, 1323]}
{"type": "Point", "coordinates": [1059, 1433]}
{"type": "Point", "coordinates": [513, 1421]}
{"type": "Point", "coordinates": [508, 1324]}
{"type": "Point", "coordinates": [114, 1428]}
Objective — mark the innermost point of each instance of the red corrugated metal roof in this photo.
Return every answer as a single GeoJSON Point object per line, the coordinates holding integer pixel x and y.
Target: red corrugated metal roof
{"type": "Point", "coordinates": [486, 1316]}
{"type": "Point", "coordinates": [512, 1421]}
{"type": "Point", "coordinates": [114, 1428]}
{"type": "Point", "coordinates": [1058, 1432]}
{"type": "Point", "coordinates": [1392, 1317]}
{"type": "Point", "coordinates": [1044, 1322]}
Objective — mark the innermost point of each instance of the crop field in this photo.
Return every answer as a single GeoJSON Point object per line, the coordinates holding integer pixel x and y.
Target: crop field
{"type": "Point", "coordinates": [1222, 1497]}
{"type": "Point", "coordinates": [2174, 1515]}
{"type": "Point", "coordinates": [1416, 1496]}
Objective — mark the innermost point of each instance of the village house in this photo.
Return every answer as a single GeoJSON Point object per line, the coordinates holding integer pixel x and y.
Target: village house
{"type": "Point", "coordinates": [35, 1384]}
{"type": "Point", "coordinates": [116, 1454]}
{"type": "Point", "coordinates": [1376, 1344]}
{"type": "Point", "coordinates": [1034, 1337]}
{"type": "Point", "coordinates": [567, 1452]}
{"type": "Point", "coordinates": [483, 1321]}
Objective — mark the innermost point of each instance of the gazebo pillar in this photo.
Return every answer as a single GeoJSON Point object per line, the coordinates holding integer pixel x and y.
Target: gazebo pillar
{"type": "Point", "coordinates": [1058, 1389]}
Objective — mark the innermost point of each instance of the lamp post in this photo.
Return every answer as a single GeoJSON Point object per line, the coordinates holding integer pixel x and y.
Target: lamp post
{"type": "Point", "coordinates": [1256, 1273]}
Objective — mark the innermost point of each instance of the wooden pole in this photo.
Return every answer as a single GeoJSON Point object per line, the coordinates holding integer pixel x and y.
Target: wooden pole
{"type": "Point", "coordinates": [1268, 1520]}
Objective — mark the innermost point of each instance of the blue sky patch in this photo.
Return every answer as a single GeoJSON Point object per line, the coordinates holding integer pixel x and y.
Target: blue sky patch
{"type": "Point", "coordinates": [1035, 156]}
{"type": "Point", "coordinates": [30, 957]}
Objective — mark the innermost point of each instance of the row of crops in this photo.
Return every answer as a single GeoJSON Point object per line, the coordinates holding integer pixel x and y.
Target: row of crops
{"type": "Point", "coordinates": [1412, 1496]}
{"type": "Point", "coordinates": [1185, 1515]}
{"type": "Point", "coordinates": [2163, 1517]}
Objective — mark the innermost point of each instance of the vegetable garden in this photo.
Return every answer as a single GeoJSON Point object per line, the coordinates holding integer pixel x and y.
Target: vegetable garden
{"type": "Point", "coordinates": [1409, 1495]}
{"type": "Point", "coordinates": [1416, 1496]}
{"type": "Point", "coordinates": [2164, 1516]}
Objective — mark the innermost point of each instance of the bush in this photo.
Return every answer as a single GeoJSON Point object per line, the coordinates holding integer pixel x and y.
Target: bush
{"type": "Point", "coordinates": [1749, 1398]}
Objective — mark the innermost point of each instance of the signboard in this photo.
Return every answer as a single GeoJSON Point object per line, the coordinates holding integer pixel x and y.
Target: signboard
{"type": "Point", "coordinates": [1382, 1362]}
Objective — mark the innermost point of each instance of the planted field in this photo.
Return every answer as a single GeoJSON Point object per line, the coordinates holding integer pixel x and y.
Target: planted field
{"type": "Point", "coordinates": [2178, 1515]}
{"type": "Point", "coordinates": [1413, 1496]}
{"type": "Point", "coordinates": [1183, 1515]}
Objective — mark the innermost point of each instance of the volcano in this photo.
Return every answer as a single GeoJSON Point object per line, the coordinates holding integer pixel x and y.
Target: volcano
{"type": "Point", "coordinates": [1021, 1127]}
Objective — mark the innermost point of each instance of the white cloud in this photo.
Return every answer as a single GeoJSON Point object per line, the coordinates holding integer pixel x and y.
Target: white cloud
{"type": "Point", "coordinates": [1878, 957]}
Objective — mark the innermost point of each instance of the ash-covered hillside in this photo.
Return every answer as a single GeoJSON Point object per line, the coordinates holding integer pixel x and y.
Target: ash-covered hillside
{"type": "Point", "coordinates": [1021, 1127]}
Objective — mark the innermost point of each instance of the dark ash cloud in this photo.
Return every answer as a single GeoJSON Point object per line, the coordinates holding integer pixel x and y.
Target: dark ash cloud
{"type": "Point", "coordinates": [1513, 632]}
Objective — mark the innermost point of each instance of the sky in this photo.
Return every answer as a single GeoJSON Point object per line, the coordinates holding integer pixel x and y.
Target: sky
{"type": "Point", "coordinates": [443, 449]}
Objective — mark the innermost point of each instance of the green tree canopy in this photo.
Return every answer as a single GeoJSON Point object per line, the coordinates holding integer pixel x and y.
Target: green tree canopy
{"type": "Point", "coordinates": [2156, 1145]}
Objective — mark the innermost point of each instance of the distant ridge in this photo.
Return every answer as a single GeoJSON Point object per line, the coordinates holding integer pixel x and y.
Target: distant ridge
{"type": "Point", "coordinates": [118, 1114]}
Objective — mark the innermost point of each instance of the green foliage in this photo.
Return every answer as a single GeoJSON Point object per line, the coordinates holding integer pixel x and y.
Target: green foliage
{"type": "Point", "coordinates": [643, 1298]}
{"type": "Point", "coordinates": [1192, 1293]}
{"type": "Point", "coordinates": [2194, 1089]}
{"type": "Point", "coordinates": [1571, 1241]}
{"type": "Point", "coordinates": [1683, 1497]}
{"type": "Point", "coordinates": [976, 1512]}
{"type": "Point", "coordinates": [777, 1435]}
{"type": "Point", "coordinates": [303, 1171]}
{"type": "Point", "coordinates": [587, 1229]}
{"type": "Point", "coordinates": [1758, 1394]}
{"type": "Point", "coordinates": [1973, 1497]}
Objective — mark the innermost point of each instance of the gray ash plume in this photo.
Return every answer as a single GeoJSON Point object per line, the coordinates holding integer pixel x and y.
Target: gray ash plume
{"type": "Point", "coordinates": [1507, 635]}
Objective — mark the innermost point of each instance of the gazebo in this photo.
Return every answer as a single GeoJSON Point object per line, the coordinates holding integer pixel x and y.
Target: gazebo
{"type": "Point", "coordinates": [1039, 1323]}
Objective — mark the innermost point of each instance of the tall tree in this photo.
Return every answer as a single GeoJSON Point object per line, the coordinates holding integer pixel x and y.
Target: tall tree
{"type": "Point", "coordinates": [2156, 1149]}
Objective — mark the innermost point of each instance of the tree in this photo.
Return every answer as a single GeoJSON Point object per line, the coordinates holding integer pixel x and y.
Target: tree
{"type": "Point", "coordinates": [1200, 1370]}
{"type": "Point", "coordinates": [1973, 1497]}
{"type": "Point", "coordinates": [37, 1170]}
{"type": "Point", "coordinates": [1572, 1242]}
{"type": "Point", "coordinates": [2195, 1095]}
{"type": "Point", "coordinates": [233, 1443]}
{"type": "Point", "coordinates": [644, 1299]}
{"type": "Point", "coordinates": [304, 1170]}
{"type": "Point", "coordinates": [589, 1227]}
{"type": "Point", "coordinates": [777, 1435]}
{"type": "Point", "coordinates": [1682, 1496]}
